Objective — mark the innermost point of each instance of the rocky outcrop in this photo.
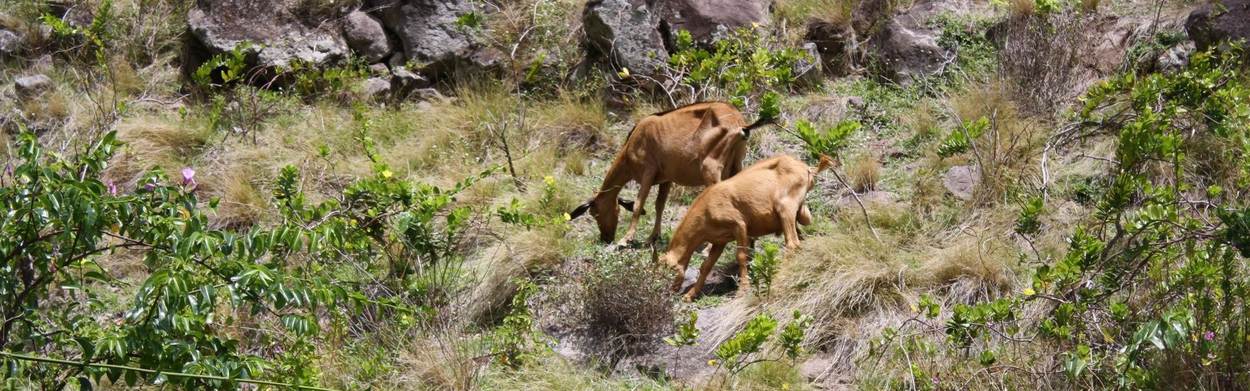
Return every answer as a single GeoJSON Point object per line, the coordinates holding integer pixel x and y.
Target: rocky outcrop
{"type": "Point", "coordinates": [834, 43]}
{"type": "Point", "coordinates": [906, 46]}
{"type": "Point", "coordinates": [279, 36]}
{"type": "Point", "coordinates": [1220, 21]}
{"type": "Point", "coordinates": [705, 19]}
{"type": "Point", "coordinates": [624, 34]}
{"type": "Point", "coordinates": [366, 36]}
{"type": "Point", "coordinates": [431, 36]}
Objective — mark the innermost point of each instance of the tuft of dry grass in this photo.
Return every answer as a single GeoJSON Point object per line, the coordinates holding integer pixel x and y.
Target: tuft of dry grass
{"type": "Point", "coordinates": [842, 275]}
{"type": "Point", "coordinates": [242, 204]}
{"type": "Point", "coordinates": [865, 172]}
{"type": "Point", "coordinates": [1007, 153]}
{"type": "Point", "coordinates": [971, 269]}
{"type": "Point", "coordinates": [837, 12]}
{"type": "Point", "coordinates": [1022, 8]}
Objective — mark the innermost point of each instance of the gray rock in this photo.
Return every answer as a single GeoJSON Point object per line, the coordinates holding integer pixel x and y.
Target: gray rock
{"type": "Point", "coordinates": [834, 43]}
{"type": "Point", "coordinates": [1212, 23]}
{"type": "Point", "coordinates": [366, 36]}
{"type": "Point", "coordinates": [1175, 58]}
{"type": "Point", "coordinates": [961, 181]}
{"type": "Point", "coordinates": [906, 52]}
{"type": "Point", "coordinates": [379, 69]}
{"type": "Point", "coordinates": [625, 34]}
{"type": "Point", "coordinates": [428, 95]}
{"type": "Point", "coordinates": [30, 86]}
{"type": "Point", "coordinates": [430, 36]}
{"type": "Point", "coordinates": [277, 34]}
{"type": "Point", "coordinates": [376, 87]}
{"type": "Point", "coordinates": [807, 69]}
{"type": "Point", "coordinates": [404, 81]}
{"type": "Point", "coordinates": [869, 199]}
{"type": "Point", "coordinates": [704, 19]}
{"type": "Point", "coordinates": [10, 43]}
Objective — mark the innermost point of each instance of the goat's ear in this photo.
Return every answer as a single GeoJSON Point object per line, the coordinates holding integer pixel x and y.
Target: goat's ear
{"type": "Point", "coordinates": [627, 204]}
{"type": "Point", "coordinates": [580, 210]}
{"type": "Point", "coordinates": [709, 119]}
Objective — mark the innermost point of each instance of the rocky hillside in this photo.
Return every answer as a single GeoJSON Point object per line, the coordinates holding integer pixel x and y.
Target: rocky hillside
{"type": "Point", "coordinates": [378, 194]}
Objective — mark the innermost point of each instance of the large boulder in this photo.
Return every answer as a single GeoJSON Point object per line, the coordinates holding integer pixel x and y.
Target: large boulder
{"type": "Point", "coordinates": [433, 38]}
{"type": "Point", "coordinates": [1219, 21]}
{"type": "Point", "coordinates": [962, 181]}
{"type": "Point", "coordinates": [625, 33]}
{"type": "Point", "coordinates": [835, 43]}
{"type": "Point", "coordinates": [366, 36]}
{"type": "Point", "coordinates": [278, 34]}
{"type": "Point", "coordinates": [905, 48]}
{"type": "Point", "coordinates": [704, 19]}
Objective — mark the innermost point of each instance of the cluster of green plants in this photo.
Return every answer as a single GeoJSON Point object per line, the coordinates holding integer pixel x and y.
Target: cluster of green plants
{"type": "Point", "coordinates": [742, 67]}
{"type": "Point", "coordinates": [746, 347]}
{"type": "Point", "coordinates": [381, 249]}
{"type": "Point", "coordinates": [1153, 288]}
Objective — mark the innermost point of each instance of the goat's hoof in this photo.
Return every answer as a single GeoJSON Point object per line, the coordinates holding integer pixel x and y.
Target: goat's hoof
{"type": "Point", "coordinates": [689, 297]}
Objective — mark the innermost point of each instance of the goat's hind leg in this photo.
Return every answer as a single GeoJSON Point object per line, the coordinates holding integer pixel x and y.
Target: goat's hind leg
{"type": "Point", "coordinates": [661, 197]}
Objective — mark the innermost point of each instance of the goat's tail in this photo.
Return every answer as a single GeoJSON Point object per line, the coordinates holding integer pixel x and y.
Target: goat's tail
{"type": "Point", "coordinates": [758, 124]}
{"type": "Point", "coordinates": [826, 163]}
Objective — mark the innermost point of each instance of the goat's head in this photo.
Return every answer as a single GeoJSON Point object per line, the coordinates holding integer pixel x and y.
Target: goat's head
{"type": "Point", "coordinates": [604, 210]}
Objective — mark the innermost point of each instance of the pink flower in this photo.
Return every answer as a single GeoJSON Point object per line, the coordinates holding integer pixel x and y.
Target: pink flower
{"type": "Point", "coordinates": [112, 188]}
{"type": "Point", "coordinates": [150, 186]}
{"type": "Point", "coordinates": [188, 176]}
{"type": "Point", "coordinates": [1209, 335]}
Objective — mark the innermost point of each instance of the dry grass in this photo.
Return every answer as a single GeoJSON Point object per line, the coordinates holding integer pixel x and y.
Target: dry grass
{"type": "Point", "coordinates": [971, 269]}
{"type": "Point", "coordinates": [865, 172]}
{"type": "Point", "coordinates": [799, 12]}
{"type": "Point", "coordinates": [1007, 153]}
{"type": "Point", "coordinates": [1022, 8]}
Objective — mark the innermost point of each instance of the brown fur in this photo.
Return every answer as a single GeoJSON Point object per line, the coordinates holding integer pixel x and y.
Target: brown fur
{"type": "Point", "coordinates": [696, 145]}
{"type": "Point", "coordinates": [766, 198]}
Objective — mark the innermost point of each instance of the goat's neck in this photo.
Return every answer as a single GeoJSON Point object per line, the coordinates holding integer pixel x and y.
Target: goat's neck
{"type": "Point", "coordinates": [619, 175]}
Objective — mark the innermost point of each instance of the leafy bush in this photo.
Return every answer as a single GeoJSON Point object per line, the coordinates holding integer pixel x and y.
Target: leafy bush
{"type": "Point", "coordinates": [741, 67]}
{"type": "Point", "coordinates": [312, 270]}
{"type": "Point", "coordinates": [763, 268]}
{"type": "Point", "coordinates": [1152, 292]}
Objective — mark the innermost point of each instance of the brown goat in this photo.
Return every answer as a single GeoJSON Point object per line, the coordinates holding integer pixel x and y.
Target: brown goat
{"type": "Point", "coordinates": [695, 145]}
{"type": "Point", "coordinates": [766, 198]}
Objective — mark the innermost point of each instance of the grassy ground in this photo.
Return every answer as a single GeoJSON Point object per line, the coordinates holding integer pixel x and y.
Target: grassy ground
{"type": "Point", "coordinates": [856, 275]}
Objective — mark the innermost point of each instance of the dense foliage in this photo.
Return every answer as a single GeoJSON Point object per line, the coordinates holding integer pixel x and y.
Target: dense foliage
{"type": "Point", "coordinates": [378, 252]}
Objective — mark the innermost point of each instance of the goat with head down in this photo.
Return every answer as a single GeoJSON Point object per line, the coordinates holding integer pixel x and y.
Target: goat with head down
{"type": "Point", "coordinates": [766, 198]}
{"type": "Point", "coordinates": [695, 145]}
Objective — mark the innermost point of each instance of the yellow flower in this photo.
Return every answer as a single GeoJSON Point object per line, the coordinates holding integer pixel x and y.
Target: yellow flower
{"type": "Point", "coordinates": [785, 386]}
{"type": "Point", "coordinates": [914, 309]}
{"type": "Point", "coordinates": [755, 25]}
{"type": "Point", "coordinates": [1029, 292]}
{"type": "Point", "coordinates": [711, 363]}
{"type": "Point", "coordinates": [387, 174]}
{"type": "Point", "coordinates": [624, 73]}
{"type": "Point", "coordinates": [567, 217]}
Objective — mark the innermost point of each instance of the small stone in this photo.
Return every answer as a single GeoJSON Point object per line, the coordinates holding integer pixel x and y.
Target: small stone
{"type": "Point", "coordinates": [29, 86]}
{"type": "Point", "coordinates": [379, 69]}
{"type": "Point", "coordinates": [376, 87]}
{"type": "Point", "coordinates": [961, 181]}
{"type": "Point", "coordinates": [10, 43]}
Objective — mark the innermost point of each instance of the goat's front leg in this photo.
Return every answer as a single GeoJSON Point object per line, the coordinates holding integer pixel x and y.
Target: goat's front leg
{"type": "Point", "coordinates": [661, 197]}
{"type": "Point", "coordinates": [704, 270]}
{"type": "Point", "coordinates": [645, 182]}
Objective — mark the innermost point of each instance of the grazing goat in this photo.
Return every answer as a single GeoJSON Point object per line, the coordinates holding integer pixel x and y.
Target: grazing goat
{"type": "Point", "coordinates": [695, 145]}
{"type": "Point", "coordinates": [766, 198]}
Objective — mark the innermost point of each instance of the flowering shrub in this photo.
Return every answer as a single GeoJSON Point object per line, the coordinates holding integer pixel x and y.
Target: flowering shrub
{"type": "Point", "coordinates": [294, 279]}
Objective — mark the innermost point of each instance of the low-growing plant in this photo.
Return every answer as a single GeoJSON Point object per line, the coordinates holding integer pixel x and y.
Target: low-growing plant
{"type": "Point", "coordinates": [763, 268]}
